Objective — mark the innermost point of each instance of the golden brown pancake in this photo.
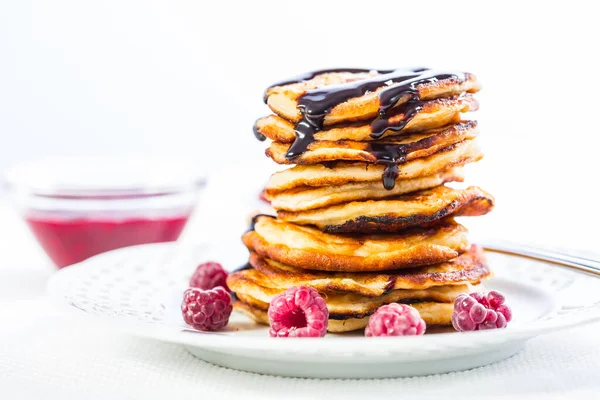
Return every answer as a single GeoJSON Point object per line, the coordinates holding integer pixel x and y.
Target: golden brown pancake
{"type": "Point", "coordinates": [309, 248]}
{"type": "Point", "coordinates": [345, 306]}
{"type": "Point", "coordinates": [434, 114]}
{"type": "Point", "coordinates": [301, 199]}
{"type": "Point", "coordinates": [394, 215]}
{"type": "Point", "coordinates": [250, 283]}
{"type": "Point", "coordinates": [319, 175]}
{"type": "Point", "coordinates": [283, 100]}
{"type": "Point", "coordinates": [434, 314]}
{"type": "Point", "coordinates": [410, 146]}
{"type": "Point", "coordinates": [470, 267]}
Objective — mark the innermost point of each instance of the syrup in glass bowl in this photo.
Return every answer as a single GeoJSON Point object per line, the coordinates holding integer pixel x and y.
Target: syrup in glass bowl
{"type": "Point", "coordinates": [79, 208]}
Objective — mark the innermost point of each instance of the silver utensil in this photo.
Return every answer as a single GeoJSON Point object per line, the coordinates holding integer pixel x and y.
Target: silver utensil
{"type": "Point", "coordinates": [582, 264]}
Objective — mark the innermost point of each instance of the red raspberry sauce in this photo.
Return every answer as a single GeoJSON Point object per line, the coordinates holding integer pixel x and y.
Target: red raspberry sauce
{"type": "Point", "coordinates": [70, 240]}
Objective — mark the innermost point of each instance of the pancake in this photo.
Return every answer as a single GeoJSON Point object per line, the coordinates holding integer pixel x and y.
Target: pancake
{"type": "Point", "coordinates": [470, 267]}
{"type": "Point", "coordinates": [345, 306]}
{"type": "Point", "coordinates": [249, 283]}
{"type": "Point", "coordinates": [309, 248]}
{"type": "Point", "coordinates": [441, 283]}
{"type": "Point", "coordinates": [301, 199]}
{"type": "Point", "coordinates": [283, 100]}
{"type": "Point", "coordinates": [319, 175]}
{"type": "Point", "coordinates": [393, 215]}
{"type": "Point", "coordinates": [434, 314]}
{"type": "Point", "coordinates": [433, 114]}
{"type": "Point", "coordinates": [404, 147]}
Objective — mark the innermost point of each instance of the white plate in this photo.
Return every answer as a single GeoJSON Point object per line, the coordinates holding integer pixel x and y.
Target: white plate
{"type": "Point", "coordinates": [139, 289]}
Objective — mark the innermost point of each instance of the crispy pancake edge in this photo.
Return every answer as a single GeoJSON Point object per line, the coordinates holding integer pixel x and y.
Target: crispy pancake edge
{"type": "Point", "coordinates": [470, 267]}
{"type": "Point", "coordinates": [472, 201]}
{"type": "Point", "coordinates": [417, 255]}
{"type": "Point", "coordinates": [341, 173]}
{"type": "Point", "coordinates": [312, 198]}
{"type": "Point", "coordinates": [340, 314]}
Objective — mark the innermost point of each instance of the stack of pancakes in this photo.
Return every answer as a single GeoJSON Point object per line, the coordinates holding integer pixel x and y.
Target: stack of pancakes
{"type": "Point", "coordinates": [365, 216]}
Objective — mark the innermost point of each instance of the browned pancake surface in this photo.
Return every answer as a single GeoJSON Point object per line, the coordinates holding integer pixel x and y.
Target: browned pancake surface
{"type": "Point", "coordinates": [470, 267]}
{"type": "Point", "coordinates": [302, 199]}
{"type": "Point", "coordinates": [309, 248]}
{"type": "Point", "coordinates": [394, 215]}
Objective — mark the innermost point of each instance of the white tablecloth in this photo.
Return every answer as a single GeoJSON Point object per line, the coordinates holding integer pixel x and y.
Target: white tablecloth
{"type": "Point", "coordinates": [46, 354]}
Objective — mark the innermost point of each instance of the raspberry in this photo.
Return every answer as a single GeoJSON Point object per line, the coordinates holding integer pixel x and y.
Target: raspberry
{"type": "Point", "coordinates": [208, 276]}
{"type": "Point", "coordinates": [206, 310]}
{"type": "Point", "coordinates": [298, 312]}
{"type": "Point", "coordinates": [395, 320]}
{"type": "Point", "coordinates": [479, 311]}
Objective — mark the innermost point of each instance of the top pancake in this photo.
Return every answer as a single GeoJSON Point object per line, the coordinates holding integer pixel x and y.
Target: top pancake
{"type": "Point", "coordinates": [434, 114]}
{"type": "Point", "coordinates": [405, 147]}
{"type": "Point", "coordinates": [283, 100]}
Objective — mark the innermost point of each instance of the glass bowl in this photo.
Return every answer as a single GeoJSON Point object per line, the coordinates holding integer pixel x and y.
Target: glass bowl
{"type": "Point", "coordinates": [77, 208]}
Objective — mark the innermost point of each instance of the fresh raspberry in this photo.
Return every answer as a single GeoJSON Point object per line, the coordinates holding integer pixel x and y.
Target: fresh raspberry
{"type": "Point", "coordinates": [298, 312]}
{"type": "Point", "coordinates": [395, 320]}
{"type": "Point", "coordinates": [479, 311]}
{"type": "Point", "coordinates": [206, 310]}
{"type": "Point", "coordinates": [208, 276]}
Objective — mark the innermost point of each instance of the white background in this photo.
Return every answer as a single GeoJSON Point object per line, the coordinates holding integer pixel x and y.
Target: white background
{"type": "Point", "coordinates": [186, 78]}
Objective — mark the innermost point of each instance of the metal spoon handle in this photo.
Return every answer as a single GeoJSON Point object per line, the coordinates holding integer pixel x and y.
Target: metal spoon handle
{"type": "Point", "coordinates": [582, 264]}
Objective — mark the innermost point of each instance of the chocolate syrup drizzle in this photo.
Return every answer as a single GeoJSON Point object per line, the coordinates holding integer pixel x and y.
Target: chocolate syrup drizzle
{"type": "Point", "coordinates": [391, 155]}
{"type": "Point", "coordinates": [257, 134]}
{"type": "Point", "coordinates": [400, 86]}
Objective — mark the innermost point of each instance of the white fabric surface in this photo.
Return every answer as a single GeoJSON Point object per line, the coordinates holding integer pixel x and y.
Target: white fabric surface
{"type": "Point", "coordinates": [53, 356]}
{"type": "Point", "coordinates": [46, 354]}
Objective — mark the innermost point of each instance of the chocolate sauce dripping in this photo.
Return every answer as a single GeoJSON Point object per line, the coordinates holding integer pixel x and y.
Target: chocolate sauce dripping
{"type": "Point", "coordinates": [388, 98]}
{"type": "Point", "coordinates": [390, 155]}
{"type": "Point", "coordinates": [315, 104]}
{"type": "Point", "coordinates": [390, 174]}
{"type": "Point", "coordinates": [402, 84]}
{"type": "Point", "coordinates": [257, 134]}
{"type": "Point", "coordinates": [382, 124]}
